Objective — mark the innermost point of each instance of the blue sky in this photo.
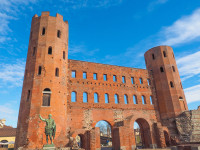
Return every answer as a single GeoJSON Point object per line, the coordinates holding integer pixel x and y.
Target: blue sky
{"type": "Point", "coordinates": [114, 32]}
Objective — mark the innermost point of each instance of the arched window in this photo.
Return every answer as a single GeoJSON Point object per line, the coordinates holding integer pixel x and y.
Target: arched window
{"type": "Point", "coordinates": [153, 56]}
{"type": "Point", "coordinates": [151, 100]}
{"type": "Point", "coordinates": [132, 80]}
{"type": "Point", "coordinates": [135, 99]}
{"type": "Point", "coordinates": [46, 97]}
{"type": "Point", "coordinates": [149, 81]}
{"type": "Point", "coordinates": [39, 70]}
{"type": "Point", "coordinates": [116, 99]}
{"type": "Point", "coordinates": [180, 98]}
{"type": "Point", "coordinates": [173, 68]}
{"type": "Point", "coordinates": [106, 98]}
{"type": "Point", "coordinates": [50, 50]}
{"type": "Point", "coordinates": [96, 98]}
{"type": "Point", "coordinates": [161, 69]}
{"type": "Point", "coordinates": [171, 84]}
{"type": "Point", "coordinates": [57, 72]}
{"type": "Point", "coordinates": [73, 96]}
{"type": "Point", "coordinates": [85, 97]}
{"type": "Point", "coordinates": [43, 31]}
{"type": "Point", "coordinates": [125, 99]}
{"type": "Point", "coordinates": [143, 100]}
{"type": "Point", "coordinates": [141, 81]}
{"type": "Point", "coordinates": [164, 54]}
{"type": "Point", "coordinates": [63, 54]}
{"type": "Point", "coordinates": [58, 33]}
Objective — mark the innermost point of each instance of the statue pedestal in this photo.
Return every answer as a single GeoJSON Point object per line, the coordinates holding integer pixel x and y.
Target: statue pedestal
{"type": "Point", "coordinates": [49, 147]}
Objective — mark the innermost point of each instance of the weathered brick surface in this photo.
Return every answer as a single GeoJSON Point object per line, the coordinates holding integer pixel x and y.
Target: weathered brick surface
{"type": "Point", "coordinates": [79, 118]}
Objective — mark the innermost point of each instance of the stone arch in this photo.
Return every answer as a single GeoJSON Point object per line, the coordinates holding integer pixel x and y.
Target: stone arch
{"type": "Point", "coordinates": [145, 133]}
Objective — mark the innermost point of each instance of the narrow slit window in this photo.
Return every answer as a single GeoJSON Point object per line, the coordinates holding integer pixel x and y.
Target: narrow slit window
{"type": "Point", "coordinates": [132, 80]}
{"type": "Point", "coordinates": [149, 81]}
{"type": "Point", "coordinates": [50, 50]}
{"type": "Point", "coordinates": [116, 99]}
{"type": "Point", "coordinates": [141, 81]}
{"type": "Point", "coordinates": [135, 99]}
{"type": "Point", "coordinates": [43, 31]}
{"type": "Point", "coordinates": [58, 33]}
{"type": "Point", "coordinates": [34, 51]}
{"type": "Point", "coordinates": [57, 72]}
{"type": "Point", "coordinates": [125, 99]}
{"type": "Point", "coordinates": [85, 97]}
{"type": "Point", "coordinates": [95, 76]}
{"type": "Point", "coordinates": [171, 84]}
{"type": "Point", "coordinates": [96, 98]}
{"type": "Point", "coordinates": [173, 68]}
{"type": "Point", "coordinates": [84, 75]}
{"type": "Point", "coordinates": [28, 95]}
{"type": "Point", "coordinates": [161, 69]}
{"type": "Point", "coordinates": [153, 56]}
{"type": "Point", "coordinates": [63, 54]}
{"type": "Point", "coordinates": [151, 100]}
{"type": "Point", "coordinates": [39, 70]}
{"type": "Point", "coordinates": [73, 96]}
{"type": "Point", "coordinates": [46, 97]}
{"type": "Point", "coordinates": [143, 100]}
{"type": "Point", "coordinates": [123, 79]}
{"type": "Point", "coordinates": [106, 98]}
{"type": "Point", "coordinates": [164, 54]}
{"type": "Point", "coordinates": [73, 74]}
{"type": "Point", "coordinates": [114, 78]}
{"type": "Point", "coordinates": [105, 77]}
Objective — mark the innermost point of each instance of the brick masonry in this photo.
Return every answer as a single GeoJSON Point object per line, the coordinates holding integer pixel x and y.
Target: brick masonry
{"type": "Point", "coordinates": [79, 118]}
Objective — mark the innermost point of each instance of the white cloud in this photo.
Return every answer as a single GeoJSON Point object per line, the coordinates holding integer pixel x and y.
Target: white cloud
{"type": "Point", "coordinates": [185, 29]}
{"type": "Point", "coordinates": [189, 65]}
{"type": "Point", "coordinates": [192, 93]}
{"type": "Point", "coordinates": [12, 74]}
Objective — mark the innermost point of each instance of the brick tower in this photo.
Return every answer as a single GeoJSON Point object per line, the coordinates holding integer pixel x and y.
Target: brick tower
{"type": "Point", "coordinates": [45, 82]}
{"type": "Point", "coordinates": [161, 63]}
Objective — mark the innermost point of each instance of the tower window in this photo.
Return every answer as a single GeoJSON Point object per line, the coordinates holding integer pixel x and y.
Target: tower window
{"type": "Point", "coordinates": [149, 81]}
{"type": "Point", "coordinates": [116, 99]}
{"type": "Point", "coordinates": [95, 76]}
{"type": "Point", "coordinates": [28, 95]}
{"type": "Point", "coordinates": [84, 75]}
{"type": "Point", "coordinates": [141, 81]}
{"type": "Point", "coordinates": [96, 98]}
{"type": "Point", "coordinates": [132, 80]}
{"type": "Point", "coordinates": [161, 69]}
{"type": "Point", "coordinates": [151, 100]}
{"type": "Point", "coordinates": [143, 100]}
{"type": "Point", "coordinates": [85, 97]}
{"type": "Point", "coordinates": [171, 84]}
{"type": "Point", "coordinates": [180, 98]}
{"type": "Point", "coordinates": [34, 51]}
{"type": "Point", "coordinates": [125, 99]}
{"type": "Point", "coordinates": [50, 50]}
{"type": "Point", "coordinates": [106, 98]}
{"type": "Point", "coordinates": [63, 54]}
{"type": "Point", "coordinates": [164, 54]}
{"type": "Point", "coordinates": [153, 56]}
{"type": "Point", "coordinates": [46, 97]}
{"type": "Point", "coordinates": [135, 99]}
{"type": "Point", "coordinates": [105, 77]}
{"type": "Point", "coordinates": [58, 33]}
{"type": "Point", "coordinates": [73, 74]}
{"type": "Point", "coordinates": [57, 72]}
{"type": "Point", "coordinates": [173, 68]}
{"type": "Point", "coordinates": [114, 78]}
{"type": "Point", "coordinates": [123, 79]}
{"type": "Point", "coordinates": [39, 70]}
{"type": "Point", "coordinates": [43, 31]}
{"type": "Point", "coordinates": [73, 96]}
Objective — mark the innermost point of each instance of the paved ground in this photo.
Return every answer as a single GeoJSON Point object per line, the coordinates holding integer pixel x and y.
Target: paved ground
{"type": "Point", "coordinates": [106, 148]}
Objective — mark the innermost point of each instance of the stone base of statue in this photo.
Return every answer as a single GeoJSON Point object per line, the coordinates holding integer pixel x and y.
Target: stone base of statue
{"type": "Point", "coordinates": [49, 147]}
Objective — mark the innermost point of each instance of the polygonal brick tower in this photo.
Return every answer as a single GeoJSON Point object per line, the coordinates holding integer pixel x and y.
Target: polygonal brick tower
{"type": "Point", "coordinates": [161, 63]}
{"type": "Point", "coordinates": [45, 82]}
